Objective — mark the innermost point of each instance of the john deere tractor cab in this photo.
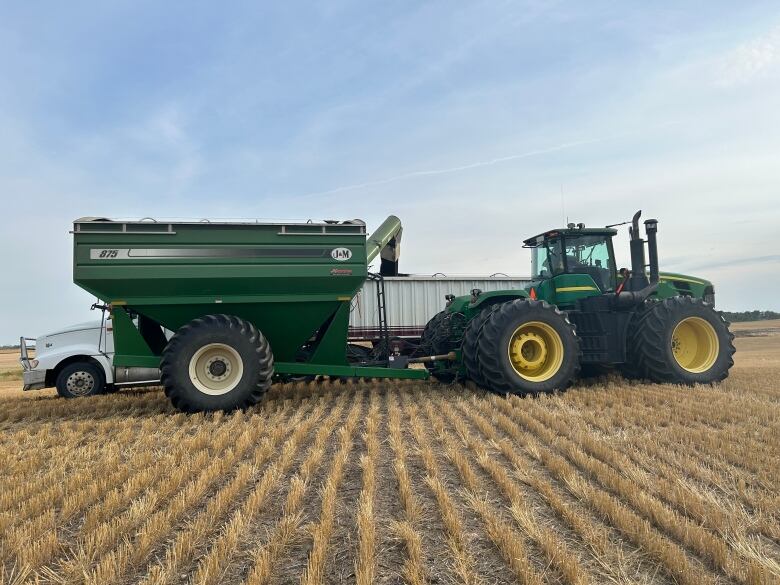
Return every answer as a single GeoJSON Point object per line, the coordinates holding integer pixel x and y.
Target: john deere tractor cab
{"type": "Point", "coordinates": [573, 263]}
{"type": "Point", "coordinates": [581, 311]}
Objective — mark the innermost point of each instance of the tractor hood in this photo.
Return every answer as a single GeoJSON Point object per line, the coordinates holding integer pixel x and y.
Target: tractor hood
{"type": "Point", "coordinates": [673, 277]}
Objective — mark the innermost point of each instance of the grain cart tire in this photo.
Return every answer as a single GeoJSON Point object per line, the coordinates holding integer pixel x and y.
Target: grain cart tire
{"type": "Point", "coordinates": [428, 346]}
{"type": "Point", "coordinates": [528, 347]}
{"type": "Point", "coordinates": [217, 362]}
{"type": "Point", "coordinates": [80, 379]}
{"type": "Point", "coordinates": [471, 343]}
{"type": "Point", "coordinates": [682, 340]}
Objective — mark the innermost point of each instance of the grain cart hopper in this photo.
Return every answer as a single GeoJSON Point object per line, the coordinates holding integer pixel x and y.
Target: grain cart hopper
{"type": "Point", "coordinates": [246, 301]}
{"type": "Point", "coordinates": [579, 311]}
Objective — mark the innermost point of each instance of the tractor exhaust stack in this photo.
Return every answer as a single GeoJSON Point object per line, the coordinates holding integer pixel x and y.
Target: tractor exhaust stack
{"type": "Point", "coordinates": [638, 279]}
{"type": "Point", "coordinates": [651, 228]}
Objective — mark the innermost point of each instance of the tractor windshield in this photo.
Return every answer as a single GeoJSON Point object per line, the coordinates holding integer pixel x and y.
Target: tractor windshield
{"type": "Point", "coordinates": [591, 255]}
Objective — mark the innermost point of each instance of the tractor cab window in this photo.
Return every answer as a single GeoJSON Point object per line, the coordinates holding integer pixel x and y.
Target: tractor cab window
{"type": "Point", "coordinates": [591, 255]}
{"type": "Point", "coordinates": [547, 259]}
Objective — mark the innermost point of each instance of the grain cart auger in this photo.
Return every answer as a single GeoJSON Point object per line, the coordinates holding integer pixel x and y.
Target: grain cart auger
{"type": "Point", "coordinates": [580, 312]}
{"type": "Point", "coordinates": [245, 301]}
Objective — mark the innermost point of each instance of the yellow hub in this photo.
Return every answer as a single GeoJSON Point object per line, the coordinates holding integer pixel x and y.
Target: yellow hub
{"type": "Point", "coordinates": [695, 345]}
{"type": "Point", "coordinates": [535, 351]}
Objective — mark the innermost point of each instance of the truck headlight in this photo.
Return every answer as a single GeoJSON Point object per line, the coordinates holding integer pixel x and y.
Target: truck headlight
{"type": "Point", "coordinates": [33, 364]}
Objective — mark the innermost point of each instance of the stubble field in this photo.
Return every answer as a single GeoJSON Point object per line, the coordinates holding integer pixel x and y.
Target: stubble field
{"type": "Point", "coordinates": [383, 482]}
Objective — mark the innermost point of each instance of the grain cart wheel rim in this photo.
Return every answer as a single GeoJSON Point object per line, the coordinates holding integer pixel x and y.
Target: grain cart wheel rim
{"type": "Point", "coordinates": [216, 369]}
{"type": "Point", "coordinates": [535, 351]}
{"type": "Point", "coordinates": [80, 383]}
{"type": "Point", "coordinates": [695, 345]}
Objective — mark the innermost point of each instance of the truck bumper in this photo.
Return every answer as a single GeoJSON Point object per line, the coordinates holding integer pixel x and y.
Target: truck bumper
{"type": "Point", "coordinates": [34, 379]}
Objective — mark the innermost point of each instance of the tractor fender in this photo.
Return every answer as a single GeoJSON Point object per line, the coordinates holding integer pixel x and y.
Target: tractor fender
{"type": "Point", "coordinates": [497, 296]}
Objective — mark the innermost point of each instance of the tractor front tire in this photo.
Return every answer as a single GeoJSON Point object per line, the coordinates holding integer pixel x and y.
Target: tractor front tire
{"type": "Point", "coordinates": [429, 345]}
{"type": "Point", "coordinates": [426, 339]}
{"type": "Point", "coordinates": [217, 362]}
{"type": "Point", "coordinates": [528, 347]}
{"type": "Point", "coordinates": [471, 345]}
{"type": "Point", "coordinates": [683, 340]}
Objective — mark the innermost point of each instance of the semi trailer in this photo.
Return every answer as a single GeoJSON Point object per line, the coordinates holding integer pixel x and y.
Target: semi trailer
{"type": "Point", "coordinates": [217, 311]}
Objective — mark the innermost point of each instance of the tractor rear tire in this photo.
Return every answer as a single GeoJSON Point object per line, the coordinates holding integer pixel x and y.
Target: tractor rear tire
{"type": "Point", "coordinates": [683, 340]}
{"type": "Point", "coordinates": [528, 347]}
{"type": "Point", "coordinates": [217, 362]}
{"type": "Point", "coordinates": [471, 344]}
{"type": "Point", "coordinates": [631, 369]}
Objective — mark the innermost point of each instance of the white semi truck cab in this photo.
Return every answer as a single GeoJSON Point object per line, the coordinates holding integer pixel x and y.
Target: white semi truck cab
{"type": "Point", "coordinates": [78, 361]}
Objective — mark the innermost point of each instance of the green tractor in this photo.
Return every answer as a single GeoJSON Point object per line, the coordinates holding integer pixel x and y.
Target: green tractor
{"type": "Point", "coordinates": [581, 313]}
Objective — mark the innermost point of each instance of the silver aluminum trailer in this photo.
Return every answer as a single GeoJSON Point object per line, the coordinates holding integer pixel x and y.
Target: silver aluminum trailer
{"type": "Point", "coordinates": [412, 300]}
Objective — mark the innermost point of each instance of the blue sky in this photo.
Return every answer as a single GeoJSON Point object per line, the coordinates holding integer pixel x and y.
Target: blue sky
{"type": "Point", "coordinates": [477, 123]}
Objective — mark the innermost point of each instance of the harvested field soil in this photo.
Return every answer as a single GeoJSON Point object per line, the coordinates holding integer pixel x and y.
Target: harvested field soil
{"type": "Point", "coordinates": [389, 482]}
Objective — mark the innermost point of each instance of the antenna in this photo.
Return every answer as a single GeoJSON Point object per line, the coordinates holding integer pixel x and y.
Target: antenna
{"type": "Point", "coordinates": [563, 208]}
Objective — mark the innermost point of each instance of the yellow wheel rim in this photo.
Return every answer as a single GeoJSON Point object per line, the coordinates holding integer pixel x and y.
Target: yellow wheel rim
{"type": "Point", "coordinates": [535, 351]}
{"type": "Point", "coordinates": [695, 345]}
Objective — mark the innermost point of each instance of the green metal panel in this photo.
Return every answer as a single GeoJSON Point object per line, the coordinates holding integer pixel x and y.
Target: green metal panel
{"type": "Point", "coordinates": [130, 349]}
{"type": "Point", "coordinates": [497, 296]}
{"type": "Point", "coordinates": [565, 289]}
{"type": "Point", "coordinates": [331, 348]}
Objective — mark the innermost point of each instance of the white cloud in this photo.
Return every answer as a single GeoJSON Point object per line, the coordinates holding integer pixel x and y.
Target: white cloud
{"type": "Point", "coordinates": [753, 60]}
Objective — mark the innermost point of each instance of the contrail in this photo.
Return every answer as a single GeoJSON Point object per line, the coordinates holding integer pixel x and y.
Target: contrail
{"type": "Point", "coordinates": [474, 165]}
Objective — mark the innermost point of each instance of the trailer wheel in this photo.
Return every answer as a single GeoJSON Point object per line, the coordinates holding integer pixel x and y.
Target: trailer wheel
{"type": "Point", "coordinates": [471, 344]}
{"type": "Point", "coordinates": [683, 340]}
{"type": "Point", "coordinates": [217, 362]}
{"type": "Point", "coordinates": [528, 347]}
{"type": "Point", "coordinates": [80, 379]}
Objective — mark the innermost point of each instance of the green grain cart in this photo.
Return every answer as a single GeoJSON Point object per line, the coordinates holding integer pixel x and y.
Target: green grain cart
{"type": "Point", "coordinates": [247, 301]}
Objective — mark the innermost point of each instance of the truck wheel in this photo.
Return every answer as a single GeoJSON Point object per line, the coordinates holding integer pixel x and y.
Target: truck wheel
{"type": "Point", "coordinates": [217, 362]}
{"type": "Point", "coordinates": [471, 343]}
{"type": "Point", "coordinates": [683, 340]}
{"type": "Point", "coordinates": [527, 347]}
{"type": "Point", "coordinates": [80, 379]}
